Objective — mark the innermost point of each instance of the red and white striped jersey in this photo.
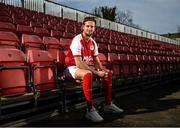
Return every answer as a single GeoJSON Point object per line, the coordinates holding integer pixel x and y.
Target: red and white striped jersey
{"type": "Point", "coordinates": [80, 47]}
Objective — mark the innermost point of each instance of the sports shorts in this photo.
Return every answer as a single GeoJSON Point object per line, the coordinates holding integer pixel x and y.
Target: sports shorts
{"type": "Point", "coordinates": [70, 71]}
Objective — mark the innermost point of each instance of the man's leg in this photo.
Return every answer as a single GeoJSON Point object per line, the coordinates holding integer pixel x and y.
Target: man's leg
{"type": "Point", "coordinates": [86, 76]}
{"type": "Point", "coordinates": [109, 106]}
{"type": "Point", "coordinates": [107, 85]}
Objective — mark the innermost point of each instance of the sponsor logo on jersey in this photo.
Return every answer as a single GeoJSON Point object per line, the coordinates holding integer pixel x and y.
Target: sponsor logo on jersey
{"type": "Point", "coordinates": [87, 59]}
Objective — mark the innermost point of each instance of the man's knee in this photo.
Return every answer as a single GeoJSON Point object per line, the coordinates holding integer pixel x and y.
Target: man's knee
{"type": "Point", "coordinates": [80, 74]}
{"type": "Point", "coordinates": [88, 74]}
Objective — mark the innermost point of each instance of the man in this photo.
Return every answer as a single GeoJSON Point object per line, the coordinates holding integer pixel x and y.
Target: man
{"type": "Point", "coordinates": [83, 52]}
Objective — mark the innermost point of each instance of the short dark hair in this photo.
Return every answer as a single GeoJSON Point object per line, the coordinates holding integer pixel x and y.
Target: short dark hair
{"type": "Point", "coordinates": [89, 19]}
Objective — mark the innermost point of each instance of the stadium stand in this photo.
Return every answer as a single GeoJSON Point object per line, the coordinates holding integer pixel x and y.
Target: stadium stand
{"type": "Point", "coordinates": [38, 41]}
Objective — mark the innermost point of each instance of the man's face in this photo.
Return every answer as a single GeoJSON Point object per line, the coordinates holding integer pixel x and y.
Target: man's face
{"type": "Point", "coordinates": [89, 28]}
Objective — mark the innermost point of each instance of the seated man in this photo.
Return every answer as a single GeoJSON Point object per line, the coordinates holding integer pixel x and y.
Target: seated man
{"type": "Point", "coordinates": [83, 52]}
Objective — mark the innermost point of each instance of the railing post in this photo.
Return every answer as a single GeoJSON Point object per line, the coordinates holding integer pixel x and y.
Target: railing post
{"type": "Point", "coordinates": [22, 3]}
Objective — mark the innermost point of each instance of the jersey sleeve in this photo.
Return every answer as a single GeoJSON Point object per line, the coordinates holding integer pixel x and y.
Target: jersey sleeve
{"type": "Point", "coordinates": [76, 47]}
{"type": "Point", "coordinates": [95, 49]}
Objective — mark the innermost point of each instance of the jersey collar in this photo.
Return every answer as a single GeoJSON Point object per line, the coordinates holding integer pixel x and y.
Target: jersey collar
{"type": "Point", "coordinates": [84, 38]}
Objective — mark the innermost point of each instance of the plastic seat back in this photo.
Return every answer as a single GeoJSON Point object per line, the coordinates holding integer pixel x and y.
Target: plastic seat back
{"type": "Point", "coordinates": [13, 72]}
{"type": "Point", "coordinates": [4, 26]}
{"type": "Point", "coordinates": [43, 70]}
{"type": "Point", "coordinates": [53, 46]}
{"type": "Point", "coordinates": [32, 42]}
{"type": "Point", "coordinates": [8, 40]}
{"type": "Point", "coordinates": [65, 43]}
{"type": "Point", "coordinates": [55, 49]}
{"type": "Point", "coordinates": [115, 66]}
{"type": "Point", "coordinates": [103, 60]}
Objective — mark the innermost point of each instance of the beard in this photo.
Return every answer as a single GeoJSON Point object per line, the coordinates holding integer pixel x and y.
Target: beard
{"type": "Point", "coordinates": [88, 35]}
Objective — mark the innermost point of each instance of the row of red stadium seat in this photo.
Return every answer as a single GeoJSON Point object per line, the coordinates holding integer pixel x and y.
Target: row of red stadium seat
{"type": "Point", "coordinates": [10, 40]}
{"type": "Point", "coordinates": [39, 20]}
{"type": "Point", "coordinates": [27, 79]}
{"type": "Point", "coordinates": [43, 70]}
{"type": "Point", "coordinates": [142, 49]}
{"type": "Point", "coordinates": [41, 31]}
{"type": "Point", "coordinates": [68, 31]}
{"type": "Point", "coordinates": [59, 27]}
{"type": "Point", "coordinates": [14, 61]}
{"type": "Point", "coordinates": [119, 43]}
{"type": "Point", "coordinates": [64, 43]}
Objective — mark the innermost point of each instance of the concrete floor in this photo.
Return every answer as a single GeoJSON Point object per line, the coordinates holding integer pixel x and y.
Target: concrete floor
{"type": "Point", "coordinates": [159, 106]}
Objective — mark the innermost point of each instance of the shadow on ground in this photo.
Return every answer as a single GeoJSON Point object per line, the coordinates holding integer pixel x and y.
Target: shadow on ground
{"type": "Point", "coordinates": [153, 100]}
{"type": "Point", "coordinates": [146, 101]}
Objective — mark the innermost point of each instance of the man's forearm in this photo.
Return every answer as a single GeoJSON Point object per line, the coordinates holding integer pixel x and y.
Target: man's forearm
{"type": "Point", "coordinates": [98, 66]}
{"type": "Point", "coordinates": [97, 63]}
{"type": "Point", "coordinates": [82, 65]}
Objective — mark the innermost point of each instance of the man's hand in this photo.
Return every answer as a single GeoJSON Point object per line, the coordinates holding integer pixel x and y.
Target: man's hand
{"type": "Point", "coordinates": [101, 73]}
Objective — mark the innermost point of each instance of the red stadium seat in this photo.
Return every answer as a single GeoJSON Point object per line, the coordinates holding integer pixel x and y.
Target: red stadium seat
{"type": "Point", "coordinates": [44, 78]}
{"type": "Point", "coordinates": [55, 49]}
{"type": "Point", "coordinates": [70, 28]}
{"type": "Point", "coordinates": [20, 21]}
{"type": "Point", "coordinates": [103, 48]}
{"type": "Point", "coordinates": [41, 31]}
{"type": "Point", "coordinates": [152, 63]}
{"type": "Point", "coordinates": [43, 69]}
{"type": "Point", "coordinates": [119, 49]}
{"type": "Point", "coordinates": [68, 35]}
{"type": "Point", "coordinates": [104, 61]}
{"type": "Point", "coordinates": [159, 61]}
{"type": "Point", "coordinates": [57, 34]}
{"type": "Point", "coordinates": [78, 26]}
{"type": "Point", "coordinates": [15, 89]}
{"type": "Point", "coordinates": [5, 19]}
{"type": "Point", "coordinates": [65, 43]}
{"type": "Point", "coordinates": [15, 60]}
{"type": "Point", "coordinates": [126, 49]}
{"type": "Point", "coordinates": [32, 42]}
{"type": "Point", "coordinates": [147, 67]}
{"type": "Point", "coordinates": [35, 24]}
{"type": "Point", "coordinates": [123, 58]}
{"type": "Point", "coordinates": [4, 12]}
{"type": "Point", "coordinates": [48, 27]}
{"type": "Point", "coordinates": [52, 44]}
{"type": "Point", "coordinates": [7, 27]}
{"type": "Point", "coordinates": [140, 65]}
{"type": "Point", "coordinates": [61, 62]}
{"type": "Point", "coordinates": [115, 65]}
{"type": "Point", "coordinates": [60, 27]}
{"type": "Point", "coordinates": [8, 40]}
{"type": "Point", "coordinates": [16, 14]}
{"type": "Point", "coordinates": [133, 67]}
{"type": "Point", "coordinates": [112, 48]}
{"type": "Point", "coordinates": [23, 29]}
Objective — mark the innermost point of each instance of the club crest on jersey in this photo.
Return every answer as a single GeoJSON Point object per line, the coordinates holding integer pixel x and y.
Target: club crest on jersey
{"type": "Point", "coordinates": [92, 47]}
